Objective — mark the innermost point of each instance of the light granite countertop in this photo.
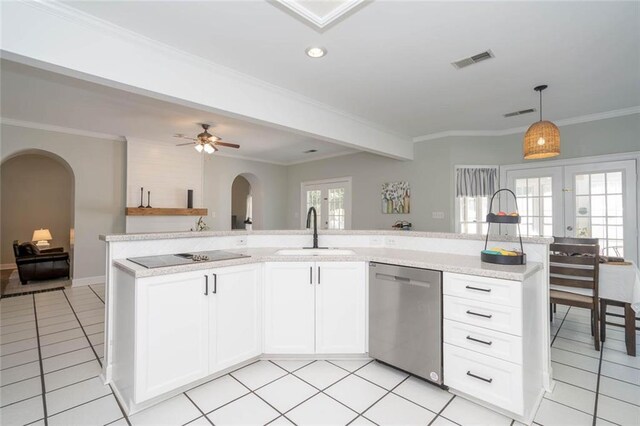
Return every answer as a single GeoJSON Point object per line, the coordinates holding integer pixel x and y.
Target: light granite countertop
{"type": "Point", "coordinates": [463, 264]}
{"type": "Point", "coordinates": [383, 232]}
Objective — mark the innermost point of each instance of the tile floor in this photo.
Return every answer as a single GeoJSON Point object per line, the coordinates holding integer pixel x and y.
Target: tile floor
{"type": "Point", "coordinates": [51, 354]}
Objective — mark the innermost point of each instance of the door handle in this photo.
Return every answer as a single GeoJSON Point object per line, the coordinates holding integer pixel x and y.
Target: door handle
{"type": "Point", "coordinates": [469, 373]}
{"type": "Point", "coordinates": [311, 275]}
{"type": "Point", "coordinates": [215, 283]}
{"type": "Point", "coordinates": [479, 314]}
{"type": "Point", "coordinates": [206, 285]}
{"type": "Point", "coordinates": [318, 275]}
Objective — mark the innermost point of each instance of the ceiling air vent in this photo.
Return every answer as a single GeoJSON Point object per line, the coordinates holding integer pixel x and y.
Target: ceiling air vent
{"type": "Point", "coordinates": [462, 63]}
{"type": "Point", "coordinates": [521, 112]}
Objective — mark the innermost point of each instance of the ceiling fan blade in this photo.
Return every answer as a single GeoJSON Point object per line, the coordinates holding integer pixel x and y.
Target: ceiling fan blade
{"type": "Point", "coordinates": [230, 145]}
{"type": "Point", "coordinates": [185, 144]}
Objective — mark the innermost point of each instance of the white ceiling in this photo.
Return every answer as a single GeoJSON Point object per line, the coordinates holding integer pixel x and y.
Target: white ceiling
{"type": "Point", "coordinates": [389, 61]}
{"type": "Point", "coordinates": [38, 96]}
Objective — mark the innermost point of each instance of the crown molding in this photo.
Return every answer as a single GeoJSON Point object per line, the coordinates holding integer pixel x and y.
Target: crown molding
{"type": "Point", "coordinates": [72, 14]}
{"type": "Point", "coordinates": [320, 21]}
{"type": "Point", "coordinates": [59, 129]}
{"type": "Point", "coordinates": [564, 122]}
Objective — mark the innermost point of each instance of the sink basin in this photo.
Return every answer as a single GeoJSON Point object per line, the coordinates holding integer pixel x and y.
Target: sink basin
{"type": "Point", "coordinates": [316, 252]}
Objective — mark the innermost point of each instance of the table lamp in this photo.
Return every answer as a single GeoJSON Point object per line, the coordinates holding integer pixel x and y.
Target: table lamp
{"type": "Point", "coordinates": [42, 236]}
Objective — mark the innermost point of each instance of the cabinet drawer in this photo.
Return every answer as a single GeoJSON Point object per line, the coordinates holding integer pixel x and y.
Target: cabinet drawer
{"type": "Point", "coordinates": [493, 343]}
{"type": "Point", "coordinates": [489, 379]}
{"type": "Point", "coordinates": [482, 314]}
{"type": "Point", "coordinates": [493, 290]}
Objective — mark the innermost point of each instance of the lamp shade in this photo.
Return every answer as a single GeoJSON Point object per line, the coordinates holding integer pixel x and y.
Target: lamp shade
{"type": "Point", "coordinates": [542, 140]}
{"type": "Point", "coordinates": [41, 234]}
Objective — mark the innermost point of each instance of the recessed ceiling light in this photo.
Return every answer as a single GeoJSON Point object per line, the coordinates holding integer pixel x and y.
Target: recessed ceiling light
{"type": "Point", "coordinates": [315, 52]}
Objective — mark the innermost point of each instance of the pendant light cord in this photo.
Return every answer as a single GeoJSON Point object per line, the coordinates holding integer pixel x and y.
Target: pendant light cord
{"type": "Point", "coordinates": [540, 105]}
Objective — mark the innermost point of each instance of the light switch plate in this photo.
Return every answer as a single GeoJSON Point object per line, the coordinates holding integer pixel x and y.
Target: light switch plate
{"type": "Point", "coordinates": [437, 215]}
{"type": "Point", "coordinates": [376, 241]}
{"type": "Point", "coordinates": [391, 242]}
{"type": "Point", "coordinates": [241, 242]}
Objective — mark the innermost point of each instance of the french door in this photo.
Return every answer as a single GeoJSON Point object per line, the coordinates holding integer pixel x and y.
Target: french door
{"type": "Point", "coordinates": [595, 200]}
{"type": "Point", "coordinates": [332, 201]}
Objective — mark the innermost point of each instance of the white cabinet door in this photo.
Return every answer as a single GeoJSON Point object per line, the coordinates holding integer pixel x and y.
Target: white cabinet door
{"type": "Point", "coordinates": [172, 336]}
{"type": "Point", "coordinates": [289, 308]}
{"type": "Point", "coordinates": [340, 307]}
{"type": "Point", "coordinates": [234, 315]}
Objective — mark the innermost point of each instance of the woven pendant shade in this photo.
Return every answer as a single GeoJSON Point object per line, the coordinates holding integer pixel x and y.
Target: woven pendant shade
{"type": "Point", "coordinates": [542, 140]}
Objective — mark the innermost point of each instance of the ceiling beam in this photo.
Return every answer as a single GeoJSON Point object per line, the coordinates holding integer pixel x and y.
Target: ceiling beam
{"type": "Point", "coordinates": [61, 39]}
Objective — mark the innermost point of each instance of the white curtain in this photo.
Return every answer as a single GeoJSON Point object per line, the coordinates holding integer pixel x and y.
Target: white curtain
{"type": "Point", "coordinates": [476, 182]}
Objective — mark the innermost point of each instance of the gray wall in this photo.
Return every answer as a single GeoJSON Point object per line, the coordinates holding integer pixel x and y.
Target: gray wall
{"type": "Point", "coordinates": [98, 166]}
{"type": "Point", "coordinates": [37, 192]}
{"type": "Point", "coordinates": [430, 174]}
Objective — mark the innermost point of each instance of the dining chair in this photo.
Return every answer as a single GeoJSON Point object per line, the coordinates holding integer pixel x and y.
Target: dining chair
{"type": "Point", "coordinates": [574, 271]}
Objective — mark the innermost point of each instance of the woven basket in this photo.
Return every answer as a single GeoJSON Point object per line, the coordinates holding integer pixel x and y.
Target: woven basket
{"type": "Point", "coordinates": [549, 133]}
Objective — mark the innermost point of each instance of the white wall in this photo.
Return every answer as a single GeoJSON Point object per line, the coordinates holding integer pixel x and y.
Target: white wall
{"type": "Point", "coordinates": [168, 171]}
{"type": "Point", "coordinates": [98, 166]}
{"type": "Point", "coordinates": [430, 174]}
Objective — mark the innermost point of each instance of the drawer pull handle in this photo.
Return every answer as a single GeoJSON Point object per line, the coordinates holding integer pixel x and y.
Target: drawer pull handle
{"type": "Point", "coordinates": [486, 290]}
{"type": "Point", "coordinates": [469, 373]}
{"type": "Point", "coordinates": [479, 315]}
{"type": "Point", "coordinates": [489, 343]}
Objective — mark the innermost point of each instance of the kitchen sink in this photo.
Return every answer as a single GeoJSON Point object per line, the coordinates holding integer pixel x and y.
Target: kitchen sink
{"type": "Point", "coordinates": [316, 252]}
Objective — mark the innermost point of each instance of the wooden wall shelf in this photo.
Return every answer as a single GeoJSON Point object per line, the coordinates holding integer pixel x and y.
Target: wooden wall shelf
{"type": "Point", "coordinates": [137, 211]}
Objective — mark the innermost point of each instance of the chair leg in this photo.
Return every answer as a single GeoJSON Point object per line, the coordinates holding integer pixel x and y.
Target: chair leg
{"type": "Point", "coordinates": [630, 329]}
{"type": "Point", "coordinates": [550, 312]}
{"type": "Point", "coordinates": [593, 323]}
{"type": "Point", "coordinates": [555, 306]}
{"type": "Point", "coordinates": [603, 320]}
{"type": "Point", "coordinates": [596, 336]}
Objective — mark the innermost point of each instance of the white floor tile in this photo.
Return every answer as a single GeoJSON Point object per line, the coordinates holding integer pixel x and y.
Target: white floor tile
{"type": "Point", "coordinates": [618, 412]}
{"type": "Point", "coordinates": [67, 360]}
{"type": "Point", "coordinates": [362, 421]}
{"type": "Point", "coordinates": [21, 372]}
{"type": "Point", "coordinates": [97, 339]}
{"type": "Point", "coordinates": [258, 374]}
{"type": "Point", "coordinates": [216, 393]}
{"type": "Point", "coordinates": [286, 392]}
{"type": "Point", "coordinates": [61, 336]}
{"type": "Point", "coordinates": [54, 313]}
{"type": "Point", "coordinates": [19, 335]}
{"type": "Point", "coordinates": [602, 422]}
{"type": "Point", "coordinates": [573, 396]}
{"type": "Point", "coordinates": [393, 410]}
{"type": "Point", "coordinates": [441, 421]}
{"type": "Point", "coordinates": [6, 329]}
{"type": "Point", "coordinates": [71, 375]}
{"type": "Point", "coordinates": [17, 319]}
{"type": "Point", "coordinates": [574, 376]}
{"type": "Point", "coordinates": [553, 414]}
{"type": "Point", "coordinates": [76, 394]}
{"type": "Point", "coordinates": [64, 347]}
{"type": "Point", "coordinates": [321, 374]}
{"type": "Point", "coordinates": [616, 356]}
{"type": "Point", "coordinates": [579, 361]}
{"type": "Point", "coordinates": [123, 422]}
{"type": "Point", "coordinates": [56, 328]}
{"type": "Point", "coordinates": [351, 364]}
{"type": "Point", "coordinates": [19, 346]}
{"type": "Point", "coordinates": [321, 410]}
{"type": "Point", "coordinates": [248, 410]}
{"type": "Point", "coordinates": [21, 390]}
{"type": "Point", "coordinates": [99, 412]}
{"type": "Point", "coordinates": [423, 393]}
{"type": "Point", "coordinates": [292, 364]}
{"type": "Point", "coordinates": [468, 413]}
{"type": "Point", "coordinates": [620, 390]}
{"type": "Point", "coordinates": [620, 372]}
{"type": "Point", "coordinates": [99, 350]}
{"type": "Point", "coordinates": [94, 328]}
{"type": "Point", "coordinates": [22, 412]}
{"type": "Point", "coordinates": [356, 393]}
{"type": "Point", "coordinates": [382, 375]}
{"type": "Point", "coordinates": [200, 421]}
{"type": "Point", "coordinates": [55, 320]}
{"type": "Point", "coordinates": [18, 358]}
{"type": "Point", "coordinates": [281, 421]}
{"type": "Point", "coordinates": [577, 347]}
{"type": "Point", "coordinates": [175, 411]}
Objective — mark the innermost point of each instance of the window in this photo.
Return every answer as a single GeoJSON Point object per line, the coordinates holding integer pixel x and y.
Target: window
{"type": "Point", "coordinates": [535, 206]}
{"type": "Point", "coordinates": [474, 187]}
{"type": "Point", "coordinates": [332, 201]}
{"type": "Point", "coordinates": [472, 215]}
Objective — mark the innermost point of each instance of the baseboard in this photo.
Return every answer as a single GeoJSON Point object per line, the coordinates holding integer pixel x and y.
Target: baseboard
{"type": "Point", "coordinates": [4, 266]}
{"type": "Point", "coordinates": [77, 282]}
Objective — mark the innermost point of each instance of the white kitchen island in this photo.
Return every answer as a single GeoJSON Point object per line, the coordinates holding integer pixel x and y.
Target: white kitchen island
{"type": "Point", "coordinates": [171, 328]}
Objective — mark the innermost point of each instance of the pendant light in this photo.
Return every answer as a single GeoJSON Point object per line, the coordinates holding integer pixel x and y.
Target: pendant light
{"type": "Point", "coordinates": [542, 139]}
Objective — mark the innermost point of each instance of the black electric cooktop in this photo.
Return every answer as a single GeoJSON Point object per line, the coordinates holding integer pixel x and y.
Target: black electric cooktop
{"type": "Point", "coordinates": [185, 258]}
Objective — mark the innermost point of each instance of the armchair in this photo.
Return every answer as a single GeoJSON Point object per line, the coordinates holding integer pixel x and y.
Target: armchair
{"type": "Point", "coordinates": [35, 264]}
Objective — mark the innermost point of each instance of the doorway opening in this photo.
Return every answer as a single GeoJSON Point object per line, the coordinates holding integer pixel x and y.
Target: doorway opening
{"type": "Point", "coordinates": [241, 203]}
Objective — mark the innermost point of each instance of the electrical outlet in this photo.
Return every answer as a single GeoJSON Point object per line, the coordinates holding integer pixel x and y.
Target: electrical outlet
{"type": "Point", "coordinates": [376, 241]}
{"type": "Point", "coordinates": [241, 242]}
{"type": "Point", "coordinates": [213, 215]}
{"type": "Point", "coordinates": [391, 242]}
{"type": "Point", "coordinates": [437, 215]}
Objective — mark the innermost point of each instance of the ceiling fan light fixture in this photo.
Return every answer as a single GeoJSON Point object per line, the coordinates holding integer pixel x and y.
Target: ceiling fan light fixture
{"type": "Point", "coordinates": [209, 149]}
{"type": "Point", "coordinates": [199, 147]}
{"type": "Point", "coordinates": [542, 139]}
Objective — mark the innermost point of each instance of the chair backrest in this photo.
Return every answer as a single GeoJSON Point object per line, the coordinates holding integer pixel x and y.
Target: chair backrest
{"type": "Point", "coordinates": [16, 248]}
{"type": "Point", "coordinates": [574, 265]}
{"type": "Point", "coordinates": [573, 240]}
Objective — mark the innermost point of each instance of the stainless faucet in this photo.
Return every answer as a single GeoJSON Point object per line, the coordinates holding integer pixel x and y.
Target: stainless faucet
{"type": "Point", "coordinates": [315, 225]}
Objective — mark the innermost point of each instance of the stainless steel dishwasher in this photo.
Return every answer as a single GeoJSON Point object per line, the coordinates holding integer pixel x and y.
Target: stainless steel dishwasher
{"type": "Point", "coordinates": [405, 319]}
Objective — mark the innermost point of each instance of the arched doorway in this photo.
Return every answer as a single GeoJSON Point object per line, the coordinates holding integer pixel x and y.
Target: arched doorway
{"type": "Point", "coordinates": [246, 202]}
{"type": "Point", "coordinates": [38, 190]}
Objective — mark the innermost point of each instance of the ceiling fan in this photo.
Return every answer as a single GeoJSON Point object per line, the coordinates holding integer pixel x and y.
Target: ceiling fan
{"type": "Point", "coordinates": [205, 141]}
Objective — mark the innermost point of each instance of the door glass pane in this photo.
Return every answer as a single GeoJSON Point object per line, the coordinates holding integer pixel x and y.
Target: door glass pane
{"type": "Point", "coordinates": [535, 205]}
{"type": "Point", "coordinates": [599, 210]}
{"type": "Point", "coordinates": [314, 199]}
{"type": "Point", "coordinates": [336, 208]}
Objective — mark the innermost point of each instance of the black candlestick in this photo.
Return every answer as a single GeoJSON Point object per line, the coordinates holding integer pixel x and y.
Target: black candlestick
{"type": "Point", "coordinates": [189, 198]}
{"type": "Point", "coordinates": [141, 198]}
{"type": "Point", "coordinates": [149, 199]}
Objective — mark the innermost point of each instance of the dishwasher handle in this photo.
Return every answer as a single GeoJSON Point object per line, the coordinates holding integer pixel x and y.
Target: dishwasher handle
{"type": "Point", "coordinates": [404, 280]}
